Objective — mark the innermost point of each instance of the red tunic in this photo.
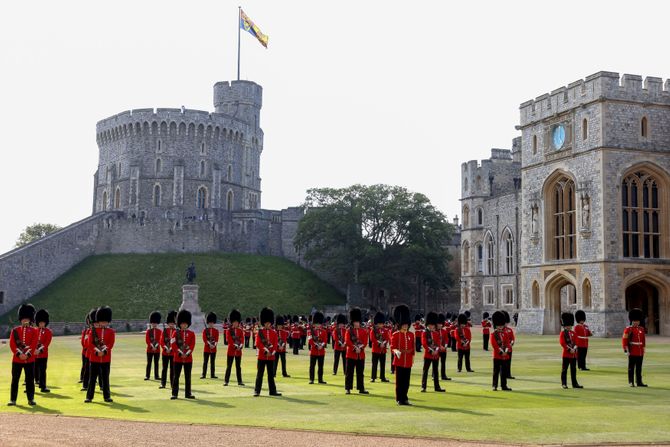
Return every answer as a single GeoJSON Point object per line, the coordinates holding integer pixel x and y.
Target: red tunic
{"type": "Point", "coordinates": [282, 337]}
{"type": "Point", "coordinates": [380, 333]}
{"type": "Point", "coordinates": [635, 346]}
{"type": "Point", "coordinates": [444, 335]}
{"type": "Point", "coordinates": [169, 333]}
{"type": "Point", "coordinates": [428, 352]}
{"type": "Point", "coordinates": [339, 339]}
{"type": "Point", "coordinates": [403, 342]}
{"type": "Point", "coordinates": [510, 335]}
{"type": "Point", "coordinates": [214, 335]}
{"type": "Point", "coordinates": [28, 337]}
{"type": "Point", "coordinates": [188, 340]}
{"type": "Point", "coordinates": [362, 342]}
{"type": "Point", "coordinates": [84, 341]}
{"type": "Point", "coordinates": [567, 352]}
{"type": "Point", "coordinates": [296, 331]}
{"type": "Point", "coordinates": [486, 327]}
{"type": "Point", "coordinates": [418, 330]}
{"type": "Point", "coordinates": [155, 334]}
{"type": "Point", "coordinates": [318, 336]}
{"type": "Point", "coordinates": [233, 350]}
{"type": "Point", "coordinates": [106, 338]}
{"type": "Point", "coordinates": [583, 333]}
{"type": "Point", "coordinates": [500, 350]}
{"type": "Point", "coordinates": [44, 336]}
{"type": "Point", "coordinates": [266, 352]}
{"type": "Point", "coordinates": [463, 338]}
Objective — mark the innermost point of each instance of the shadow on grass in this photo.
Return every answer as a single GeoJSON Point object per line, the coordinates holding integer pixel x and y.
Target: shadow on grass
{"type": "Point", "coordinates": [39, 409]}
{"type": "Point", "coordinates": [123, 407]}
{"type": "Point", "coordinates": [451, 410]}
{"type": "Point", "coordinates": [53, 396]}
{"type": "Point", "coordinates": [210, 403]}
{"type": "Point", "coordinates": [302, 401]}
{"type": "Point", "coordinates": [549, 393]}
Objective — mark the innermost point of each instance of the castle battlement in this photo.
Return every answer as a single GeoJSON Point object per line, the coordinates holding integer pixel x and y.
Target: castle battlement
{"type": "Point", "coordinates": [598, 86]}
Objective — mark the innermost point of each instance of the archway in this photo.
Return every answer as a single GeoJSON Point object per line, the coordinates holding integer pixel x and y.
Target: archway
{"type": "Point", "coordinates": [557, 295]}
{"type": "Point", "coordinates": [645, 295]}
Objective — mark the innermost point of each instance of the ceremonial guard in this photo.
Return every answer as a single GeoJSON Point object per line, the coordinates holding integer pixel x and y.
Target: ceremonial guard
{"type": "Point", "coordinates": [452, 332]}
{"type": "Point", "coordinates": [418, 332]}
{"type": "Point", "coordinates": [84, 357]}
{"type": "Point", "coordinates": [247, 331]}
{"type": "Point", "coordinates": [634, 342]}
{"type": "Point", "coordinates": [210, 339]}
{"type": "Point", "coordinates": [430, 341]}
{"type": "Point", "coordinates": [402, 347]}
{"type": "Point", "coordinates": [153, 341]}
{"type": "Point", "coordinates": [381, 340]}
{"type": "Point", "coordinates": [318, 340]}
{"type": "Point", "coordinates": [463, 341]}
{"type": "Point", "coordinates": [44, 336]}
{"type": "Point", "coordinates": [339, 343]}
{"type": "Point", "coordinates": [236, 339]}
{"type": "Point", "coordinates": [100, 343]}
{"type": "Point", "coordinates": [23, 343]}
{"type": "Point", "coordinates": [266, 344]}
{"type": "Point", "coordinates": [512, 339]}
{"type": "Point", "coordinates": [356, 339]}
{"type": "Point", "coordinates": [500, 343]}
{"type": "Point", "coordinates": [182, 348]}
{"type": "Point", "coordinates": [567, 340]}
{"type": "Point", "coordinates": [282, 341]}
{"type": "Point", "coordinates": [583, 333]}
{"type": "Point", "coordinates": [86, 336]}
{"type": "Point", "coordinates": [486, 330]}
{"type": "Point", "coordinates": [443, 330]}
{"type": "Point", "coordinates": [167, 340]}
{"type": "Point", "coordinates": [295, 335]}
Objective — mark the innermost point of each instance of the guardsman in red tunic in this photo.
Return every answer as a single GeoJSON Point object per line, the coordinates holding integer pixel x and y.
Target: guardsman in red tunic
{"type": "Point", "coordinates": [247, 332]}
{"type": "Point", "coordinates": [182, 349]}
{"type": "Point", "coordinates": [236, 341]}
{"type": "Point", "coordinates": [443, 329]}
{"type": "Point", "coordinates": [153, 341]}
{"type": "Point", "coordinates": [500, 344]}
{"type": "Point", "coordinates": [100, 345]}
{"type": "Point", "coordinates": [452, 332]}
{"type": "Point", "coordinates": [340, 343]}
{"type": "Point", "coordinates": [44, 336]}
{"type": "Point", "coordinates": [512, 339]}
{"type": "Point", "coordinates": [318, 340]}
{"type": "Point", "coordinates": [283, 336]}
{"type": "Point", "coordinates": [266, 345]}
{"type": "Point", "coordinates": [567, 340]}
{"type": "Point", "coordinates": [402, 347]}
{"type": "Point", "coordinates": [583, 333]}
{"type": "Point", "coordinates": [86, 363]}
{"type": "Point", "coordinates": [356, 339]}
{"type": "Point", "coordinates": [23, 343]}
{"type": "Point", "coordinates": [463, 341]}
{"type": "Point", "coordinates": [295, 335]}
{"type": "Point", "coordinates": [486, 330]}
{"type": "Point", "coordinates": [431, 340]}
{"type": "Point", "coordinates": [167, 341]}
{"type": "Point", "coordinates": [418, 331]}
{"type": "Point", "coordinates": [84, 360]}
{"type": "Point", "coordinates": [634, 342]}
{"type": "Point", "coordinates": [381, 340]}
{"type": "Point", "coordinates": [210, 339]}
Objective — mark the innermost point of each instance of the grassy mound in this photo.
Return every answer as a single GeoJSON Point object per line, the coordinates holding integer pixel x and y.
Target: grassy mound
{"type": "Point", "coordinates": [134, 285]}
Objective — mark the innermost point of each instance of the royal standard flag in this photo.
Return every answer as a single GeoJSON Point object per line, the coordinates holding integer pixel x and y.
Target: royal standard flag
{"type": "Point", "coordinates": [247, 25]}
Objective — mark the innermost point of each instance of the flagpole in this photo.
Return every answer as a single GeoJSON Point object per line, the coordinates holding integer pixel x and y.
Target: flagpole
{"type": "Point", "coordinates": [239, 19]}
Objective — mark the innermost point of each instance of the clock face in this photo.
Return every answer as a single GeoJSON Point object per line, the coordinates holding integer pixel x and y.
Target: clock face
{"type": "Point", "coordinates": [558, 136]}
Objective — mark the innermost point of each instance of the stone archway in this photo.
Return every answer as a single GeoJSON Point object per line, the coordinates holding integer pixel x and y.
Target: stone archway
{"type": "Point", "coordinates": [557, 293]}
{"type": "Point", "coordinates": [646, 296]}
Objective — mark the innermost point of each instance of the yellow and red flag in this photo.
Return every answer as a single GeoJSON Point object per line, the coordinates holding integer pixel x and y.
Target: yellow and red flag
{"type": "Point", "coordinates": [249, 26]}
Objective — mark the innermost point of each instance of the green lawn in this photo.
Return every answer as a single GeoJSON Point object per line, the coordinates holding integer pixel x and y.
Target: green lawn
{"type": "Point", "coordinates": [538, 410]}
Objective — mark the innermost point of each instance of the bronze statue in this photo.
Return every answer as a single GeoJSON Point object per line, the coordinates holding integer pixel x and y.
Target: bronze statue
{"type": "Point", "coordinates": [190, 273]}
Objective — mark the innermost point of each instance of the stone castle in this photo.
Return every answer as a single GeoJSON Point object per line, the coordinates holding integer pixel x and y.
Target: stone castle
{"type": "Point", "coordinates": [577, 214]}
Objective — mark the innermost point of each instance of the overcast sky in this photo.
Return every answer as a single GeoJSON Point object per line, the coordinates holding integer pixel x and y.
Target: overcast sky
{"type": "Point", "coordinates": [354, 92]}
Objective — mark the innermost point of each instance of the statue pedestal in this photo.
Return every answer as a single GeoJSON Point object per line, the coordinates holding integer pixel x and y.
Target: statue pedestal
{"type": "Point", "coordinates": [189, 301]}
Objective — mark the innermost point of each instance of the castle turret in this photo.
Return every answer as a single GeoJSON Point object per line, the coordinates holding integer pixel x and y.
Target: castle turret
{"type": "Point", "coordinates": [239, 99]}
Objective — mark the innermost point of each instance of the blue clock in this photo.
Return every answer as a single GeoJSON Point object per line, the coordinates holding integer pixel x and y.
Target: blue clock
{"type": "Point", "coordinates": [558, 136]}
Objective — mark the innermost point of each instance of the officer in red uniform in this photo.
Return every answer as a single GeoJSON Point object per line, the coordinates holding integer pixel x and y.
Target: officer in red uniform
{"type": "Point", "coordinates": [402, 347]}
{"type": "Point", "coordinates": [236, 341]}
{"type": "Point", "coordinates": [182, 349]}
{"type": "Point", "coordinates": [266, 345]}
{"type": "Point", "coordinates": [512, 339]}
{"type": "Point", "coordinates": [380, 338]}
{"type": "Point", "coordinates": [84, 360]}
{"type": "Point", "coordinates": [443, 329]}
{"type": "Point", "coordinates": [318, 340]}
{"type": "Point", "coordinates": [583, 333]}
{"type": "Point", "coordinates": [568, 342]}
{"type": "Point", "coordinates": [431, 340]}
{"type": "Point", "coordinates": [463, 340]}
{"type": "Point", "coordinates": [167, 340]}
{"type": "Point", "coordinates": [100, 344]}
{"type": "Point", "coordinates": [210, 339]}
{"type": "Point", "coordinates": [486, 330]}
{"type": "Point", "coordinates": [23, 343]}
{"type": "Point", "coordinates": [634, 342]}
{"type": "Point", "coordinates": [418, 331]}
{"type": "Point", "coordinates": [283, 336]}
{"type": "Point", "coordinates": [339, 343]}
{"type": "Point", "coordinates": [85, 363]}
{"type": "Point", "coordinates": [296, 333]}
{"type": "Point", "coordinates": [500, 344]}
{"type": "Point", "coordinates": [356, 339]}
{"type": "Point", "coordinates": [153, 341]}
{"type": "Point", "coordinates": [44, 336]}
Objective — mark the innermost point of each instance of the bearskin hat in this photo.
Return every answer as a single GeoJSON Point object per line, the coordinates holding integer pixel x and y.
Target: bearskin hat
{"type": "Point", "coordinates": [506, 314]}
{"type": "Point", "coordinates": [567, 319]}
{"type": "Point", "coordinates": [327, 320]}
{"type": "Point", "coordinates": [279, 321]}
{"type": "Point", "coordinates": [485, 315]}
{"type": "Point", "coordinates": [253, 320]}
{"type": "Point", "coordinates": [401, 315]}
{"type": "Point", "coordinates": [440, 318]}
{"type": "Point", "coordinates": [183, 316]}
{"type": "Point", "coordinates": [341, 319]}
{"type": "Point", "coordinates": [431, 318]}
{"type": "Point", "coordinates": [42, 315]}
{"type": "Point", "coordinates": [379, 318]}
{"type": "Point", "coordinates": [467, 314]}
{"type": "Point", "coordinates": [462, 319]}
{"type": "Point", "coordinates": [104, 313]}
{"type": "Point", "coordinates": [295, 318]}
{"type": "Point", "coordinates": [317, 318]}
{"type": "Point", "coordinates": [267, 316]}
{"type": "Point", "coordinates": [91, 316]}
{"type": "Point", "coordinates": [355, 315]}
{"type": "Point", "coordinates": [171, 317]}
{"type": "Point", "coordinates": [580, 316]}
{"type": "Point", "coordinates": [26, 311]}
{"type": "Point", "coordinates": [498, 318]}
{"type": "Point", "coordinates": [448, 316]}
{"type": "Point", "coordinates": [235, 315]}
{"type": "Point", "coordinates": [155, 317]}
{"type": "Point", "coordinates": [417, 317]}
{"type": "Point", "coordinates": [635, 315]}
{"type": "Point", "coordinates": [210, 318]}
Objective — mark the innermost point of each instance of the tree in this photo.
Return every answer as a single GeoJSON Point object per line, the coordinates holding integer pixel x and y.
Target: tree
{"type": "Point", "coordinates": [34, 232]}
{"type": "Point", "coordinates": [379, 236]}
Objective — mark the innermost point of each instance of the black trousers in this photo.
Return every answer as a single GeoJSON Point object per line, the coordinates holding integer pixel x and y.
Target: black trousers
{"type": "Point", "coordinates": [211, 356]}
{"type": "Point", "coordinates": [41, 372]}
{"type": "Point", "coordinates": [246, 341]}
{"type": "Point", "coordinates": [281, 356]}
{"type": "Point", "coordinates": [84, 367]}
{"type": "Point", "coordinates": [178, 366]}
{"type": "Point", "coordinates": [29, 370]}
{"type": "Point", "coordinates": [452, 343]}
{"type": "Point", "coordinates": [581, 357]}
{"type": "Point", "coordinates": [635, 365]}
{"type": "Point", "coordinates": [296, 346]}
{"type": "Point", "coordinates": [238, 368]}
{"type": "Point", "coordinates": [358, 366]}
{"type": "Point", "coordinates": [572, 363]}
{"type": "Point", "coordinates": [402, 376]}
{"type": "Point", "coordinates": [87, 371]}
{"type": "Point", "coordinates": [152, 356]}
{"type": "Point", "coordinates": [261, 367]}
{"type": "Point", "coordinates": [486, 342]}
{"type": "Point", "coordinates": [427, 363]}
{"type": "Point", "coordinates": [98, 371]}
{"type": "Point", "coordinates": [381, 360]}
{"type": "Point", "coordinates": [313, 360]}
{"type": "Point", "coordinates": [443, 365]}
{"type": "Point", "coordinates": [167, 362]}
{"type": "Point", "coordinates": [500, 369]}
{"type": "Point", "coordinates": [303, 340]}
{"type": "Point", "coordinates": [418, 344]}
{"type": "Point", "coordinates": [509, 366]}
{"type": "Point", "coordinates": [336, 361]}
{"type": "Point", "coordinates": [464, 354]}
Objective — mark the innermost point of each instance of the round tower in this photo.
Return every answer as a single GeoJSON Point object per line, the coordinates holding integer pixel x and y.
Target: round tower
{"type": "Point", "coordinates": [239, 99]}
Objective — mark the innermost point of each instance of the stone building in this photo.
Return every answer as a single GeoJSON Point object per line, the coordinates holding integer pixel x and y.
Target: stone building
{"type": "Point", "coordinates": [594, 205]}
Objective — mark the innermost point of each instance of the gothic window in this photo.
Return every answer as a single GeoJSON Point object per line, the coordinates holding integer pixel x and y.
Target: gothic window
{"type": "Point", "coordinates": [229, 201]}
{"type": "Point", "coordinates": [158, 146]}
{"type": "Point", "coordinates": [562, 214]}
{"type": "Point", "coordinates": [117, 198]}
{"type": "Point", "coordinates": [202, 197]}
{"type": "Point", "coordinates": [157, 195]}
{"type": "Point", "coordinates": [534, 144]}
{"type": "Point", "coordinates": [465, 184]}
{"type": "Point", "coordinates": [644, 127]}
{"type": "Point", "coordinates": [585, 129]}
{"type": "Point", "coordinates": [104, 201]}
{"type": "Point", "coordinates": [535, 295]}
{"type": "Point", "coordinates": [490, 258]}
{"type": "Point", "coordinates": [466, 258]}
{"type": "Point", "coordinates": [509, 252]}
{"type": "Point", "coordinates": [480, 257]}
{"type": "Point", "coordinates": [466, 217]}
{"type": "Point", "coordinates": [230, 173]}
{"type": "Point", "coordinates": [202, 168]}
{"type": "Point", "coordinates": [202, 148]}
{"type": "Point", "coordinates": [478, 183]}
{"type": "Point", "coordinates": [488, 296]}
{"type": "Point", "coordinates": [586, 293]}
{"type": "Point", "coordinates": [480, 217]}
{"type": "Point", "coordinates": [641, 216]}
{"type": "Point", "coordinates": [508, 295]}
{"type": "Point", "coordinates": [158, 165]}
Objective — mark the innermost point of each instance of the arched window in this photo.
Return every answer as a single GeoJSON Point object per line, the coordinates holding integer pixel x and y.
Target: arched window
{"type": "Point", "coordinates": [157, 195]}
{"type": "Point", "coordinates": [466, 258]}
{"type": "Point", "coordinates": [490, 252]}
{"type": "Point", "coordinates": [229, 201]}
{"type": "Point", "coordinates": [465, 184]}
{"type": "Point", "coordinates": [466, 217]}
{"type": "Point", "coordinates": [230, 173]}
{"type": "Point", "coordinates": [509, 252]}
{"type": "Point", "coordinates": [478, 183]}
{"type": "Point", "coordinates": [644, 127]}
{"type": "Point", "coordinates": [202, 197]}
{"type": "Point", "coordinates": [534, 144]}
{"type": "Point", "coordinates": [202, 168]}
{"type": "Point", "coordinates": [480, 217]}
{"type": "Point", "coordinates": [117, 198]}
{"type": "Point", "coordinates": [159, 165]}
{"type": "Point", "coordinates": [158, 146]}
{"type": "Point", "coordinates": [585, 129]}
{"type": "Point", "coordinates": [641, 216]}
{"type": "Point", "coordinates": [202, 148]}
{"type": "Point", "coordinates": [561, 195]}
{"type": "Point", "coordinates": [586, 293]}
{"type": "Point", "coordinates": [535, 295]}
{"type": "Point", "coordinates": [104, 200]}
{"type": "Point", "coordinates": [480, 257]}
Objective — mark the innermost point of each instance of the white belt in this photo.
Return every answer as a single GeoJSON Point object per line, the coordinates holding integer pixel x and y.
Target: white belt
{"type": "Point", "coordinates": [635, 343]}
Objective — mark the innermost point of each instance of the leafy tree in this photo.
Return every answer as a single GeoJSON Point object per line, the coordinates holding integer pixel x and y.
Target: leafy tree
{"type": "Point", "coordinates": [34, 232]}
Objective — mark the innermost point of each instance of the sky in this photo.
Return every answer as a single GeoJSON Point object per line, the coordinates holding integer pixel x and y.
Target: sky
{"type": "Point", "coordinates": [396, 92]}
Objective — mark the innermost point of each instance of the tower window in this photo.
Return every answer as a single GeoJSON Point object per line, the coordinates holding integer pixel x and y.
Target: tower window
{"type": "Point", "coordinates": [562, 199]}
{"type": "Point", "coordinates": [641, 216]}
{"type": "Point", "coordinates": [534, 144]}
{"type": "Point", "coordinates": [2, 297]}
{"type": "Point", "coordinates": [585, 129]}
{"type": "Point", "coordinates": [509, 252]}
{"type": "Point", "coordinates": [229, 201]}
{"type": "Point", "coordinates": [157, 195]}
{"type": "Point", "coordinates": [158, 165]}
{"type": "Point", "coordinates": [202, 168]}
{"type": "Point", "coordinates": [117, 198]}
{"type": "Point", "coordinates": [230, 173]}
{"type": "Point", "coordinates": [158, 146]}
{"type": "Point", "coordinates": [202, 198]}
{"type": "Point", "coordinates": [490, 255]}
{"type": "Point", "coordinates": [202, 148]}
{"type": "Point", "coordinates": [644, 127]}
{"type": "Point", "coordinates": [480, 217]}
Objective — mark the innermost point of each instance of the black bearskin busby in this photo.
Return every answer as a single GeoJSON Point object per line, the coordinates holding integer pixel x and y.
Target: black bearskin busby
{"type": "Point", "coordinates": [26, 311]}
{"type": "Point", "coordinates": [498, 319]}
{"type": "Point", "coordinates": [580, 316]}
{"type": "Point", "coordinates": [379, 318]}
{"type": "Point", "coordinates": [467, 314]}
{"type": "Point", "coordinates": [295, 318]}
{"type": "Point", "coordinates": [42, 316]}
{"type": "Point", "coordinates": [485, 315]}
{"type": "Point", "coordinates": [567, 319]}
{"type": "Point", "coordinates": [506, 314]}
{"type": "Point", "coordinates": [279, 321]}
{"type": "Point", "coordinates": [462, 319]}
{"type": "Point", "coordinates": [431, 318]}
{"type": "Point", "coordinates": [635, 315]}
{"type": "Point", "coordinates": [267, 316]}
{"type": "Point", "coordinates": [317, 318]}
{"type": "Point", "coordinates": [341, 319]}
{"type": "Point", "coordinates": [183, 316]}
{"type": "Point", "coordinates": [401, 315]}
{"type": "Point", "coordinates": [155, 317]}
{"type": "Point", "coordinates": [171, 317]}
{"type": "Point", "coordinates": [211, 318]}
{"type": "Point", "coordinates": [440, 318]}
{"type": "Point", "coordinates": [90, 319]}
{"type": "Point", "coordinates": [417, 317]}
{"type": "Point", "coordinates": [355, 315]}
{"type": "Point", "coordinates": [235, 315]}
{"type": "Point", "coordinates": [104, 313]}
{"type": "Point", "coordinates": [449, 316]}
